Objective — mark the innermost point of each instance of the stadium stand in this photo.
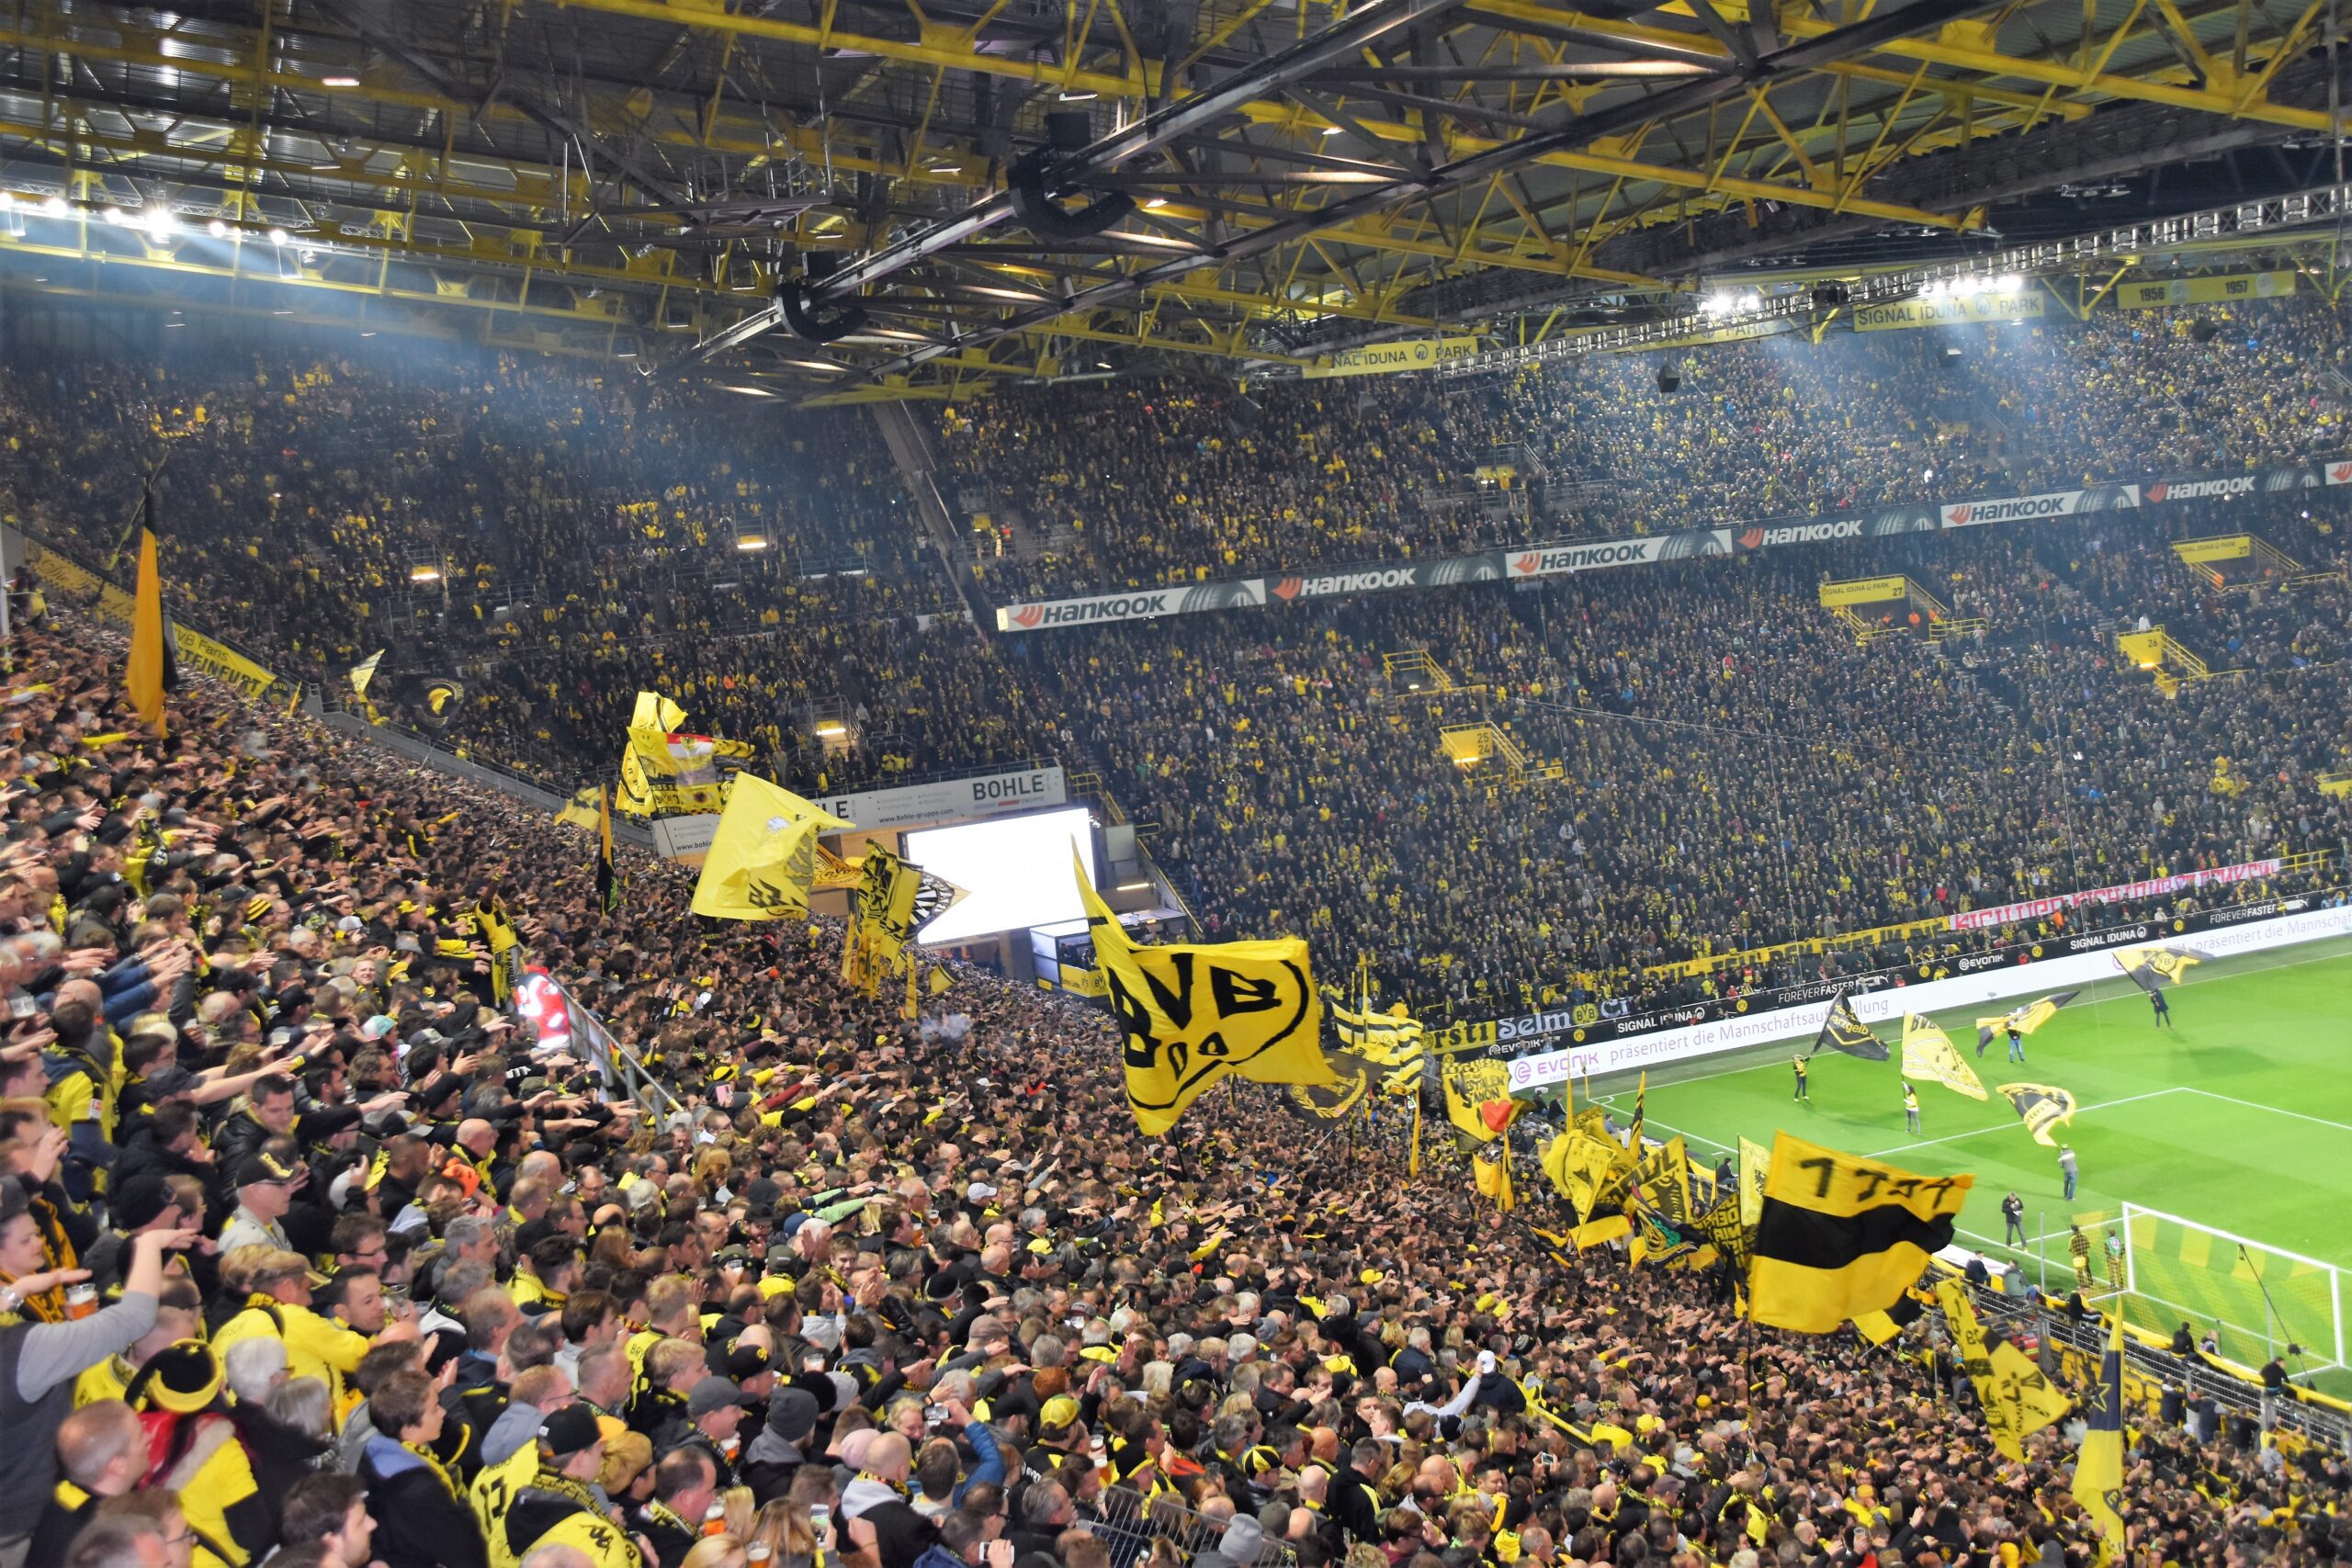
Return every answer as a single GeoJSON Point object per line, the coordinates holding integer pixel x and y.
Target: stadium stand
{"type": "Point", "coordinates": [861, 1267]}
{"type": "Point", "coordinates": [1756, 431]}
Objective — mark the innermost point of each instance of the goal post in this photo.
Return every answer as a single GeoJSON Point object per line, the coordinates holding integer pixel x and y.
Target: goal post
{"type": "Point", "coordinates": [2255, 1298]}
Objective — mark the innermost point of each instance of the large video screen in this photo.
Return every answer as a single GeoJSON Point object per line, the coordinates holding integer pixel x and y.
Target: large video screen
{"type": "Point", "coordinates": [1016, 869]}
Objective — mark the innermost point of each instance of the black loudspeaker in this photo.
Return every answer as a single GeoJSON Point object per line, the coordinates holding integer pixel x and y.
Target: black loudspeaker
{"type": "Point", "coordinates": [2203, 331]}
{"type": "Point", "coordinates": [1669, 378]}
{"type": "Point", "coordinates": [806, 317]}
{"type": "Point", "coordinates": [1066, 130]}
{"type": "Point", "coordinates": [1048, 219]}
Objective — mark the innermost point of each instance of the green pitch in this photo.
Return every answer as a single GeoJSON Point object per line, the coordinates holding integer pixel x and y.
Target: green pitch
{"type": "Point", "coordinates": [2238, 1118]}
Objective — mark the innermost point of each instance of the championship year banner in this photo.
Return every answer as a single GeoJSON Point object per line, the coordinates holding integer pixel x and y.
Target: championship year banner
{"type": "Point", "coordinates": [2217, 290]}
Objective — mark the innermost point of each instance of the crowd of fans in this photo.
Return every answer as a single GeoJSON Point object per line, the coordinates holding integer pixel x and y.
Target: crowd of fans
{"type": "Point", "coordinates": [579, 537]}
{"type": "Point", "coordinates": [1141, 484]}
{"type": "Point", "coordinates": [307, 1256]}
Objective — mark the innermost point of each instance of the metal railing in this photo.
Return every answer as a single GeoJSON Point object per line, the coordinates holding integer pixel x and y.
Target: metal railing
{"type": "Point", "coordinates": [2195, 1377]}
{"type": "Point", "coordinates": [1128, 1522]}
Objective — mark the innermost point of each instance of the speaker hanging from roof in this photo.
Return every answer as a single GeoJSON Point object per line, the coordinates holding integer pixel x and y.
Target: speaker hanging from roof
{"type": "Point", "coordinates": [809, 319]}
{"type": "Point", "coordinates": [1035, 205]}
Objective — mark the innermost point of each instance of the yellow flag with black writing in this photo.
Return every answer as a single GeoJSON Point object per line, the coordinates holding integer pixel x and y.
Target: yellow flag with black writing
{"type": "Point", "coordinates": [1191, 1014]}
{"type": "Point", "coordinates": [1928, 1055]}
{"type": "Point", "coordinates": [1580, 1164]}
{"type": "Point", "coordinates": [1841, 1236]}
{"type": "Point", "coordinates": [1477, 1098]}
{"type": "Point", "coordinates": [764, 856]}
{"type": "Point", "coordinates": [2018, 1400]}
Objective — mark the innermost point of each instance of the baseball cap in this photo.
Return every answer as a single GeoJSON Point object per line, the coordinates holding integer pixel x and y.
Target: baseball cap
{"type": "Point", "coordinates": [713, 1393]}
{"type": "Point", "coordinates": [978, 1191]}
{"type": "Point", "coordinates": [256, 1169]}
{"type": "Point", "coordinates": [747, 1362]}
{"type": "Point", "coordinates": [570, 1430]}
{"type": "Point", "coordinates": [1060, 1410]}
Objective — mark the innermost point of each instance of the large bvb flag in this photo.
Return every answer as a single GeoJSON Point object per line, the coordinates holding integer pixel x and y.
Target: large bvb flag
{"type": "Point", "coordinates": [1928, 1055]}
{"type": "Point", "coordinates": [153, 670]}
{"type": "Point", "coordinates": [2099, 1469]}
{"type": "Point", "coordinates": [764, 855]}
{"type": "Point", "coordinates": [1841, 1031]}
{"type": "Point", "coordinates": [1191, 1014]}
{"type": "Point", "coordinates": [2041, 1107]}
{"type": "Point", "coordinates": [2028, 1018]}
{"type": "Point", "coordinates": [2153, 968]}
{"type": "Point", "coordinates": [1840, 1235]}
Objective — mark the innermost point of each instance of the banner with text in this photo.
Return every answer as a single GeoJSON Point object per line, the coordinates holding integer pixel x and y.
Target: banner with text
{"type": "Point", "coordinates": [1536, 562]}
{"type": "Point", "coordinates": [1390, 358]}
{"type": "Point", "coordinates": [2154, 887]}
{"type": "Point", "coordinates": [2024, 304]}
{"type": "Point", "coordinates": [2206, 290]}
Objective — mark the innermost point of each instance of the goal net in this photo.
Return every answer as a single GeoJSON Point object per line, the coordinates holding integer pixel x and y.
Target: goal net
{"type": "Point", "coordinates": [2256, 1299]}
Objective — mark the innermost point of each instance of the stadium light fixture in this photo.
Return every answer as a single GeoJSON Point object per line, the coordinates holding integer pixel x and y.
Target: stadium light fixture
{"type": "Point", "coordinates": [53, 207]}
{"type": "Point", "coordinates": [115, 216]}
{"type": "Point", "coordinates": [342, 80]}
{"type": "Point", "coordinates": [278, 236]}
{"type": "Point", "coordinates": [217, 229]}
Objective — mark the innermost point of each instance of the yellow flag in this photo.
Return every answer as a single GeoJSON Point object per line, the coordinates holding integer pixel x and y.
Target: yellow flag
{"type": "Point", "coordinates": [1192, 1013]}
{"type": "Point", "coordinates": [657, 711]}
{"type": "Point", "coordinates": [2099, 1469]}
{"type": "Point", "coordinates": [2017, 1400]}
{"type": "Point", "coordinates": [1477, 1098]}
{"type": "Point", "coordinates": [1755, 1164]}
{"type": "Point", "coordinates": [365, 671]}
{"type": "Point", "coordinates": [151, 656]}
{"type": "Point", "coordinates": [764, 855]}
{"type": "Point", "coordinates": [1928, 1054]}
{"type": "Point", "coordinates": [584, 808]}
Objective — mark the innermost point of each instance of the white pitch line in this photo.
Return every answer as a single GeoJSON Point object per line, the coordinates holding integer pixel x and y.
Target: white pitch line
{"type": "Point", "coordinates": [2079, 1111]}
{"type": "Point", "coordinates": [2275, 1110]}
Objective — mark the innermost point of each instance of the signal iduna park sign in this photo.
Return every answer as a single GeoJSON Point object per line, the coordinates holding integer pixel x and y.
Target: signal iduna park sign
{"type": "Point", "coordinates": [1562, 557]}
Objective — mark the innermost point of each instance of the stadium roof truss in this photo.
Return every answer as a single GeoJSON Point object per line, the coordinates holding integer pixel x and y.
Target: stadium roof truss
{"type": "Point", "coordinates": [639, 178]}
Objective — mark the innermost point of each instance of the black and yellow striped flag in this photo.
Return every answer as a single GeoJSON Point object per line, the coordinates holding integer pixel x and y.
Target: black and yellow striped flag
{"type": "Point", "coordinates": [1841, 1236]}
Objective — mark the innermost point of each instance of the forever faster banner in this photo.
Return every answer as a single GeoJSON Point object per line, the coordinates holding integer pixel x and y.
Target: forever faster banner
{"type": "Point", "coordinates": [1535, 562]}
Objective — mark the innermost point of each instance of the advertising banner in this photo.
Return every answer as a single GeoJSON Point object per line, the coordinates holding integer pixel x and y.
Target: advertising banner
{"type": "Point", "coordinates": [1865, 591]}
{"type": "Point", "coordinates": [2024, 304]}
{"type": "Point", "coordinates": [2080, 962]}
{"type": "Point", "coordinates": [1534, 563]}
{"type": "Point", "coordinates": [2026, 508]}
{"type": "Point", "coordinates": [1557, 560]}
{"type": "Point", "coordinates": [948, 800]}
{"type": "Point", "coordinates": [1142, 604]}
{"type": "Point", "coordinates": [1390, 358]}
